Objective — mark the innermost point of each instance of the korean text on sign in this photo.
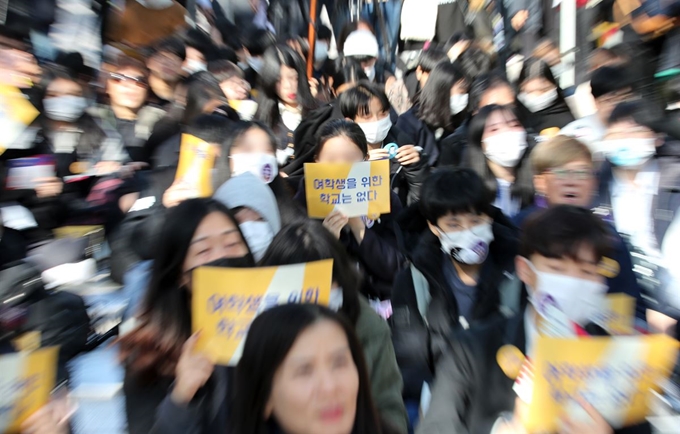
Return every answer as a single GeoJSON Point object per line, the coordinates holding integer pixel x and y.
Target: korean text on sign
{"type": "Point", "coordinates": [226, 300]}
{"type": "Point", "coordinates": [360, 189]}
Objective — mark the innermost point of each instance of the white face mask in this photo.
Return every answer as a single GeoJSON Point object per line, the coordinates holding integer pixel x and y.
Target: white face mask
{"type": "Point", "coordinates": [376, 131]}
{"type": "Point", "coordinates": [470, 246]}
{"type": "Point", "coordinates": [458, 103]}
{"type": "Point", "coordinates": [506, 149]}
{"type": "Point", "coordinates": [65, 108]}
{"type": "Point", "coordinates": [256, 63]}
{"type": "Point", "coordinates": [193, 66]}
{"type": "Point", "coordinates": [320, 51]}
{"type": "Point", "coordinates": [264, 166]}
{"type": "Point", "coordinates": [538, 103]}
{"type": "Point", "coordinates": [370, 72]}
{"type": "Point", "coordinates": [336, 299]}
{"type": "Point", "coordinates": [579, 299]}
{"type": "Point", "coordinates": [258, 235]}
{"type": "Point", "coordinates": [629, 152]}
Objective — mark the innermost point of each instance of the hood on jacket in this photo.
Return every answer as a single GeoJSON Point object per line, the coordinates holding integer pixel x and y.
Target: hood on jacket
{"type": "Point", "coordinates": [247, 190]}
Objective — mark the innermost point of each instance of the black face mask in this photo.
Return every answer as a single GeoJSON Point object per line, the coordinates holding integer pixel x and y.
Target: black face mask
{"type": "Point", "coordinates": [246, 261]}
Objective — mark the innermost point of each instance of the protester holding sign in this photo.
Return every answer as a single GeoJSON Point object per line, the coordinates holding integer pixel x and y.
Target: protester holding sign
{"type": "Point", "coordinates": [564, 174]}
{"type": "Point", "coordinates": [560, 255]}
{"type": "Point", "coordinates": [371, 239]}
{"type": "Point", "coordinates": [460, 265]}
{"type": "Point", "coordinates": [195, 233]}
{"type": "Point", "coordinates": [369, 107]}
{"type": "Point", "coordinates": [308, 242]}
{"type": "Point", "coordinates": [303, 371]}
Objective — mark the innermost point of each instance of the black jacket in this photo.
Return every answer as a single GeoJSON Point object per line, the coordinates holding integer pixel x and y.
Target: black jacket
{"type": "Point", "coordinates": [471, 390]}
{"type": "Point", "coordinates": [557, 115]}
{"type": "Point", "coordinates": [418, 341]}
{"type": "Point", "coordinates": [422, 135]}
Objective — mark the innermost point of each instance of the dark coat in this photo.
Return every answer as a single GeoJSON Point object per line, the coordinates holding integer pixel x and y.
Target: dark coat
{"type": "Point", "coordinates": [418, 341]}
{"type": "Point", "coordinates": [472, 390]}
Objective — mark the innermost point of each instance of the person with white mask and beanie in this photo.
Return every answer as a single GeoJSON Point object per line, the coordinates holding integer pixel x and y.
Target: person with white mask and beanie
{"type": "Point", "coordinates": [254, 206]}
{"type": "Point", "coordinates": [362, 45]}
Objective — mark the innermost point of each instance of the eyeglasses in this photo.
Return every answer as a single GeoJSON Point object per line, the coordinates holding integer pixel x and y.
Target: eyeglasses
{"type": "Point", "coordinates": [122, 78]}
{"type": "Point", "coordinates": [564, 174]}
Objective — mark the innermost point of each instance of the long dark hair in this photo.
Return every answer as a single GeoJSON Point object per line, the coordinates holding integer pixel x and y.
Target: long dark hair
{"type": "Point", "coordinates": [310, 241]}
{"type": "Point", "coordinates": [154, 347]}
{"type": "Point", "coordinates": [268, 100]}
{"type": "Point", "coordinates": [270, 338]}
{"type": "Point", "coordinates": [523, 187]}
{"type": "Point", "coordinates": [434, 99]}
{"type": "Point", "coordinates": [537, 68]}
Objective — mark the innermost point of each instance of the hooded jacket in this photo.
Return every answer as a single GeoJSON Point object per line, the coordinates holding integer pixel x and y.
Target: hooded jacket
{"type": "Point", "coordinates": [418, 341]}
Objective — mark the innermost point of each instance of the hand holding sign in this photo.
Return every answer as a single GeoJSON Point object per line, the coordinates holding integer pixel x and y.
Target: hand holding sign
{"type": "Point", "coordinates": [335, 222]}
{"type": "Point", "coordinates": [193, 371]}
{"type": "Point", "coordinates": [596, 424]}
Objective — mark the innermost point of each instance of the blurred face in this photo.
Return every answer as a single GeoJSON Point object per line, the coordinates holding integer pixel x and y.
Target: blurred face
{"type": "Point", "coordinates": [235, 88]}
{"type": "Point", "coordinates": [500, 122]}
{"type": "Point", "coordinates": [128, 88]}
{"type": "Point", "coordinates": [166, 66]}
{"type": "Point", "coordinates": [628, 130]}
{"type": "Point", "coordinates": [586, 268]}
{"type": "Point", "coordinates": [287, 86]}
{"type": "Point", "coordinates": [501, 95]}
{"type": "Point", "coordinates": [369, 63]}
{"type": "Point", "coordinates": [375, 113]}
{"type": "Point", "coordinates": [19, 68]}
{"type": "Point", "coordinates": [571, 184]}
{"type": "Point", "coordinates": [537, 86]}
{"type": "Point", "coordinates": [194, 58]}
{"type": "Point", "coordinates": [215, 238]}
{"type": "Point", "coordinates": [246, 214]}
{"type": "Point", "coordinates": [315, 389]}
{"type": "Point", "coordinates": [63, 87]}
{"type": "Point", "coordinates": [253, 141]}
{"type": "Point", "coordinates": [459, 222]}
{"type": "Point", "coordinates": [340, 149]}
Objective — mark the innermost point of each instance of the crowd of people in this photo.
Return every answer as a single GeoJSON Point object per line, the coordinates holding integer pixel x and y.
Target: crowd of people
{"type": "Point", "coordinates": [506, 188]}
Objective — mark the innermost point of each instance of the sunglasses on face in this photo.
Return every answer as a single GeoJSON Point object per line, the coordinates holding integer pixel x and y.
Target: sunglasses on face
{"type": "Point", "coordinates": [122, 78]}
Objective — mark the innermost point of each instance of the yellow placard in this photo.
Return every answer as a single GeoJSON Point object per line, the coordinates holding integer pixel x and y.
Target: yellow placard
{"type": "Point", "coordinates": [16, 113]}
{"type": "Point", "coordinates": [618, 317]}
{"type": "Point", "coordinates": [196, 161]}
{"type": "Point", "coordinates": [614, 374]}
{"type": "Point", "coordinates": [25, 385]}
{"type": "Point", "coordinates": [226, 300]}
{"type": "Point", "coordinates": [360, 189]}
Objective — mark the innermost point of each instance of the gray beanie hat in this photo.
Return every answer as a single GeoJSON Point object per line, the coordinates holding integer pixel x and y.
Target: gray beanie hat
{"type": "Point", "coordinates": [247, 190]}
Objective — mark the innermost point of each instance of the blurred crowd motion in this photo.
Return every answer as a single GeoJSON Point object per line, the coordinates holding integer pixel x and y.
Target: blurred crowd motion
{"type": "Point", "coordinates": [339, 216]}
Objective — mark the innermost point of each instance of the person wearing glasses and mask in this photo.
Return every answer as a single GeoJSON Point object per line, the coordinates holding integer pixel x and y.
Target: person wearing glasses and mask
{"type": "Point", "coordinates": [128, 112]}
{"type": "Point", "coordinates": [564, 174]}
{"type": "Point", "coordinates": [462, 259]}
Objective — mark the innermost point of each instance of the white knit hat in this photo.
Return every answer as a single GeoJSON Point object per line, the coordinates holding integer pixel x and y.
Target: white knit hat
{"type": "Point", "coordinates": [361, 43]}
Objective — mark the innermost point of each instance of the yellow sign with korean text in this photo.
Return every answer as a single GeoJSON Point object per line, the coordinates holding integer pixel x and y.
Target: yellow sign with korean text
{"type": "Point", "coordinates": [196, 161]}
{"type": "Point", "coordinates": [25, 385]}
{"type": "Point", "coordinates": [16, 113]}
{"type": "Point", "coordinates": [225, 301]}
{"type": "Point", "coordinates": [356, 190]}
{"type": "Point", "coordinates": [614, 374]}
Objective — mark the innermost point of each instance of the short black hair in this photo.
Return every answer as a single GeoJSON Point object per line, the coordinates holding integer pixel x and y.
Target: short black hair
{"type": "Point", "coordinates": [357, 100]}
{"type": "Point", "coordinates": [454, 191]}
{"type": "Point", "coordinates": [430, 58]}
{"type": "Point", "coordinates": [609, 79]}
{"type": "Point", "coordinates": [561, 231]}
{"type": "Point", "coordinates": [199, 40]}
{"type": "Point", "coordinates": [484, 83]}
{"type": "Point", "coordinates": [474, 62]}
{"type": "Point", "coordinates": [223, 70]}
{"type": "Point", "coordinates": [257, 41]}
{"type": "Point", "coordinates": [211, 128]}
{"type": "Point", "coordinates": [323, 33]}
{"type": "Point", "coordinates": [640, 112]}
{"type": "Point", "coordinates": [172, 45]}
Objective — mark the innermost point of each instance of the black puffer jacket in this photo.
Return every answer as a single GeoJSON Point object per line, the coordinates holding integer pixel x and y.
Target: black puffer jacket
{"type": "Point", "coordinates": [418, 341]}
